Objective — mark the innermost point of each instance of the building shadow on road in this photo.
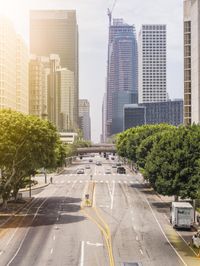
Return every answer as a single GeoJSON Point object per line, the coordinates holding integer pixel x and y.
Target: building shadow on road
{"type": "Point", "coordinates": [43, 212]}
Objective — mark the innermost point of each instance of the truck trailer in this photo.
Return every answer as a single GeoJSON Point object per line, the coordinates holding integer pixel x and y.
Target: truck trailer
{"type": "Point", "coordinates": [182, 215]}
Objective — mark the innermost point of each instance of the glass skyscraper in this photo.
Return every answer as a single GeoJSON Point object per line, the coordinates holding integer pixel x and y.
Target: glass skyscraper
{"type": "Point", "coordinates": [122, 66]}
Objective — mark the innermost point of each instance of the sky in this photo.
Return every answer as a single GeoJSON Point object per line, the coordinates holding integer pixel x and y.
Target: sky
{"type": "Point", "coordinates": [93, 38]}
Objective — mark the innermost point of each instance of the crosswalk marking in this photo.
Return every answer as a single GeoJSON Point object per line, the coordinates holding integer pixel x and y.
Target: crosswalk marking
{"type": "Point", "coordinates": [97, 181]}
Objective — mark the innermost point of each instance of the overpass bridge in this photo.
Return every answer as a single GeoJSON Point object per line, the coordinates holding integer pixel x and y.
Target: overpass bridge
{"type": "Point", "coordinates": [97, 148]}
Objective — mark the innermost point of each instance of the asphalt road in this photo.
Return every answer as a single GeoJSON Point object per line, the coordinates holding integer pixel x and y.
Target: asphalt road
{"type": "Point", "coordinates": [126, 223]}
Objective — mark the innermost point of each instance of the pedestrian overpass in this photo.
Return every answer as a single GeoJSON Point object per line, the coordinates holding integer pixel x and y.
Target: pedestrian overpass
{"type": "Point", "coordinates": [97, 148]}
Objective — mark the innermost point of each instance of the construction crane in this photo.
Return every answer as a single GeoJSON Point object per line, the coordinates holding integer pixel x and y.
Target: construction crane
{"type": "Point", "coordinates": [110, 11]}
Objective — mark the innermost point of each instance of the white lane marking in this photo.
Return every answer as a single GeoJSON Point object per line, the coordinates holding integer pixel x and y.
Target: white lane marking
{"type": "Point", "coordinates": [141, 252]}
{"type": "Point", "coordinates": [134, 227]}
{"type": "Point", "coordinates": [137, 239]}
{"type": "Point", "coordinates": [35, 215]}
{"type": "Point", "coordinates": [51, 250]}
{"type": "Point", "coordinates": [112, 197]}
{"type": "Point", "coordinates": [131, 182]}
{"type": "Point", "coordinates": [1, 252]}
{"type": "Point", "coordinates": [125, 182]}
{"type": "Point", "coordinates": [131, 212]}
{"type": "Point", "coordinates": [68, 182]}
{"type": "Point", "coordinates": [164, 233]}
{"type": "Point", "coordinates": [133, 219]}
{"type": "Point", "coordinates": [82, 253]}
{"type": "Point", "coordinates": [119, 182]}
{"type": "Point", "coordinates": [94, 244]}
{"type": "Point", "coordinates": [80, 181]}
{"type": "Point", "coordinates": [54, 237]}
{"type": "Point", "coordinates": [57, 218]}
{"type": "Point", "coordinates": [101, 181]}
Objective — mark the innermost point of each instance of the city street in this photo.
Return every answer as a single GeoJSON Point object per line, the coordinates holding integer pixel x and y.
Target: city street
{"type": "Point", "coordinates": [124, 223]}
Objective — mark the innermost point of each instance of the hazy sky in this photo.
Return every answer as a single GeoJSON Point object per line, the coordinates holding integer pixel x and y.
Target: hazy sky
{"type": "Point", "coordinates": [93, 33]}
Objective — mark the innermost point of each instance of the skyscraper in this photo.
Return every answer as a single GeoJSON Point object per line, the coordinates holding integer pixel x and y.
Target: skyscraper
{"type": "Point", "coordinates": [152, 64]}
{"type": "Point", "coordinates": [13, 69]}
{"type": "Point", "coordinates": [84, 118]}
{"type": "Point", "coordinates": [39, 69]}
{"type": "Point", "coordinates": [56, 32]}
{"type": "Point", "coordinates": [122, 64]}
{"type": "Point", "coordinates": [191, 61]}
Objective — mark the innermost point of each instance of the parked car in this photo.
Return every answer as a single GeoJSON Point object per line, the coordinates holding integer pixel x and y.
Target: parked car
{"type": "Point", "coordinates": [118, 164]}
{"type": "Point", "coordinates": [90, 160]}
{"type": "Point", "coordinates": [98, 163]}
{"type": "Point", "coordinates": [121, 170]}
{"type": "Point", "coordinates": [114, 166]}
{"type": "Point", "coordinates": [87, 166]}
{"type": "Point", "coordinates": [80, 171]}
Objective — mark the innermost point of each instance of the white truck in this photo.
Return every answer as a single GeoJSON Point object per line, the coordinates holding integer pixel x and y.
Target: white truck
{"type": "Point", "coordinates": [182, 215]}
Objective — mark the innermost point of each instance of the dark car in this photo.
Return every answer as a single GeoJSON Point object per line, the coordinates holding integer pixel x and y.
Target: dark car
{"type": "Point", "coordinates": [121, 170]}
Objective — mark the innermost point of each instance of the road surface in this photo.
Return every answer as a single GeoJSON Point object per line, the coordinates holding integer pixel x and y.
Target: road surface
{"type": "Point", "coordinates": [125, 223]}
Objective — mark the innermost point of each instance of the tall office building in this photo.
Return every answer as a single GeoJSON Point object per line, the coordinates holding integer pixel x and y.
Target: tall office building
{"type": "Point", "coordinates": [65, 96]}
{"type": "Point", "coordinates": [22, 59]}
{"type": "Point", "coordinates": [13, 69]}
{"type": "Point", "coordinates": [39, 69]}
{"type": "Point", "coordinates": [122, 65]}
{"type": "Point", "coordinates": [84, 118]}
{"type": "Point", "coordinates": [103, 135]}
{"type": "Point", "coordinates": [191, 61]}
{"type": "Point", "coordinates": [51, 91]}
{"type": "Point", "coordinates": [152, 64]}
{"type": "Point", "coordinates": [56, 32]}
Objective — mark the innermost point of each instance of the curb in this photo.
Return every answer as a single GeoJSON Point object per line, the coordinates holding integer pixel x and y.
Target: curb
{"type": "Point", "coordinates": [33, 188]}
{"type": "Point", "coordinates": [17, 211]}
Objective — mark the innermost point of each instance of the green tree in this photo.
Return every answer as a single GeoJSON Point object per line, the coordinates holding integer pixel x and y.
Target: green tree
{"type": "Point", "coordinates": [172, 166]}
{"type": "Point", "coordinates": [26, 143]}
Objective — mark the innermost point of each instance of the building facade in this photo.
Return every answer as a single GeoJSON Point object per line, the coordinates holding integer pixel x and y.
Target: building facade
{"type": "Point", "coordinates": [122, 65]}
{"type": "Point", "coordinates": [191, 61]}
{"type": "Point", "coordinates": [39, 69]}
{"type": "Point", "coordinates": [119, 99]}
{"type": "Point", "coordinates": [133, 116]}
{"type": "Point", "coordinates": [170, 112]}
{"type": "Point", "coordinates": [51, 91]}
{"type": "Point", "coordinates": [13, 69]}
{"type": "Point", "coordinates": [152, 64]}
{"type": "Point", "coordinates": [84, 118]}
{"type": "Point", "coordinates": [56, 32]}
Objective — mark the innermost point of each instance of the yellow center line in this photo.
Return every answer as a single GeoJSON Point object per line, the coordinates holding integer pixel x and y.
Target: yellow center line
{"type": "Point", "coordinates": [102, 225]}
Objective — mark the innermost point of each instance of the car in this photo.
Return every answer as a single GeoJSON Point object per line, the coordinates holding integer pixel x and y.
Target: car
{"type": "Point", "coordinates": [118, 164]}
{"type": "Point", "coordinates": [90, 160]}
{"type": "Point", "coordinates": [121, 170]}
{"type": "Point", "coordinates": [114, 166]}
{"type": "Point", "coordinates": [87, 166]}
{"type": "Point", "coordinates": [98, 163]}
{"type": "Point", "coordinates": [108, 171]}
{"type": "Point", "coordinates": [196, 240]}
{"type": "Point", "coordinates": [80, 171]}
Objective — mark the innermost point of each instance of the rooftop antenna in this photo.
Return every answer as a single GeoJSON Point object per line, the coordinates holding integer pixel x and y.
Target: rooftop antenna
{"type": "Point", "coordinates": [110, 11]}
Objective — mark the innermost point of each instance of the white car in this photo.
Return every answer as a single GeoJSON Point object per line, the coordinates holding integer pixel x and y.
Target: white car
{"type": "Point", "coordinates": [80, 171]}
{"type": "Point", "coordinates": [196, 240]}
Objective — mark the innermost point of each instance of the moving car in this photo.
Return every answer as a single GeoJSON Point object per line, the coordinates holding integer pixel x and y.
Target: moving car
{"type": "Point", "coordinates": [90, 160]}
{"type": "Point", "coordinates": [80, 171]}
{"type": "Point", "coordinates": [121, 170]}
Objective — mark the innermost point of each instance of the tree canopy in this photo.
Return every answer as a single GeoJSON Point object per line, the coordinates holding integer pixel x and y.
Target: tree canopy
{"type": "Point", "coordinates": [168, 156]}
{"type": "Point", "coordinates": [26, 143]}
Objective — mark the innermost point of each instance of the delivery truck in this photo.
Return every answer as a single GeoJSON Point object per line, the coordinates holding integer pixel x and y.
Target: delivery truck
{"type": "Point", "coordinates": [182, 215]}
